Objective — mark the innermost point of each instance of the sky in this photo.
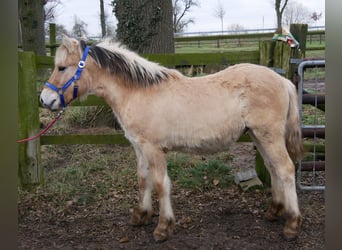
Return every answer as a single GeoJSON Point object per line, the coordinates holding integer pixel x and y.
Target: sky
{"type": "Point", "coordinates": [251, 14]}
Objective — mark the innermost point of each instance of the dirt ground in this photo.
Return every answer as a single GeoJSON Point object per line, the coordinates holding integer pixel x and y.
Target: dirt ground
{"type": "Point", "coordinates": [212, 219]}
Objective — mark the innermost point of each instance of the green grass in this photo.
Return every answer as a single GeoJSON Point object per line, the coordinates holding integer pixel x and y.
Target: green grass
{"type": "Point", "coordinates": [312, 115]}
{"type": "Point", "coordinates": [85, 174]}
{"type": "Point", "coordinates": [315, 44]}
{"type": "Point", "coordinates": [247, 44]}
{"type": "Point", "coordinates": [197, 173]}
{"type": "Point", "coordinates": [211, 49]}
{"type": "Point", "coordinates": [315, 54]}
{"type": "Point", "coordinates": [314, 74]}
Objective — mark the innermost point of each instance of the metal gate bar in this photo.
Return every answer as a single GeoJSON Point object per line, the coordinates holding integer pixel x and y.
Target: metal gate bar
{"type": "Point", "coordinates": [314, 131]}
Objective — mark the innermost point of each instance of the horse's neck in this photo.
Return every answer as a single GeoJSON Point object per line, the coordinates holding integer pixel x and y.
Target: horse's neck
{"type": "Point", "coordinates": [115, 94]}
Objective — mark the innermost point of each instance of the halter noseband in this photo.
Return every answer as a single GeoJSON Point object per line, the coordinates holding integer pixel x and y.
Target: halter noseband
{"type": "Point", "coordinates": [60, 91]}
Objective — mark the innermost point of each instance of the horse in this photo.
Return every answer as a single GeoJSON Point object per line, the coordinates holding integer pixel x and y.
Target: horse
{"type": "Point", "coordinates": [161, 110]}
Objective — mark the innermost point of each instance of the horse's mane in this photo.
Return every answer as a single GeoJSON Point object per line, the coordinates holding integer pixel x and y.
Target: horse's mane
{"type": "Point", "coordinates": [133, 69]}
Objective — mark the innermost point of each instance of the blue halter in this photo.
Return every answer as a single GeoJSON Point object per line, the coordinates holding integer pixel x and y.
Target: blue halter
{"type": "Point", "coordinates": [73, 79]}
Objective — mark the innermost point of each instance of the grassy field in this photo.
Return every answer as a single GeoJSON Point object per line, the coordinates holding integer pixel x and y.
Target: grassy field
{"type": "Point", "coordinates": [213, 46]}
{"type": "Point", "coordinates": [88, 172]}
{"type": "Point", "coordinates": [212, 49]}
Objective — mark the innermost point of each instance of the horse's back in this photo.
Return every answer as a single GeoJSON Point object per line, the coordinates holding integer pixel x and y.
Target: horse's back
{"type": "Point", "coordinates": [261, 87]}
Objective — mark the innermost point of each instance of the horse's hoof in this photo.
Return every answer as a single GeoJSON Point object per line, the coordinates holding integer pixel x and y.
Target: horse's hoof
{"type": "Point", "coordinates": [292, 228]}
{"type": "Point", "coordinates": [160, 236]}
{"type": "Point", "coordinates": [164, 230]}
{"type": "Point", "coordinates": [290, 235]}
{"type": "Point", "coordinates": [140, 217]}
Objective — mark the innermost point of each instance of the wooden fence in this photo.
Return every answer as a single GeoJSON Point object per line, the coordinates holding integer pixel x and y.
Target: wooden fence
{"type": "Point", "coordinates": [314, 39]}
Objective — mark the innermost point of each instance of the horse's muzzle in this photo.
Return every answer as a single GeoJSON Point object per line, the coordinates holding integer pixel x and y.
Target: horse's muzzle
{"type": "Point", "coordinates": [49, 100]}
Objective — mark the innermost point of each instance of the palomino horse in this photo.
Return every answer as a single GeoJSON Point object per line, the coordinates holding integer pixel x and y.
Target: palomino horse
{"type": "Point", "coordinates": [161, 110]}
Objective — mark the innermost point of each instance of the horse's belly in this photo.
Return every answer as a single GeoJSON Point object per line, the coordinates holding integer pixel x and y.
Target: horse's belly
{"type": "Point", "coordinates": [210, 140]}
{"type": "Point", "coordinates": [204, 147]}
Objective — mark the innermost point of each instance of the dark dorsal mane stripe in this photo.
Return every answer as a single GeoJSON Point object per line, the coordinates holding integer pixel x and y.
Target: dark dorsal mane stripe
{"type": "Point", "coordinates": [132, 72]}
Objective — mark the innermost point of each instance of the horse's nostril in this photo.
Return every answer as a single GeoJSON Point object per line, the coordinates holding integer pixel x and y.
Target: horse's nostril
{"type": "Point", "coordinates": [51, 104]}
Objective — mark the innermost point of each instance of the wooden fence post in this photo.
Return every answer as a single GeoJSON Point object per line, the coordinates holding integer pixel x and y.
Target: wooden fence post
{"type": "Point", "coordinates": [30, 168]}
{"type": "Point", "coordinates": [299, 31]}
{"type": "Point", "coordinates": [276, 55]}
{"type": "Point", "coordinates": [266, 50]}
{"type": "Point", "coordinates": [261, 170]}
{"type": "Point", "coordinates": [52, 32]}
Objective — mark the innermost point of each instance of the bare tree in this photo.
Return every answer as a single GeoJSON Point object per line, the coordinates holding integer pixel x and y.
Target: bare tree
{"type": "Point", "coordinates": [296, 13]}
{"type": "Point", "coordinates": [110, 29]}
{"type": "Point", "coordinates": [61, 30]}
{"type": "Point", "coordinates": [220, 12]}
{"type": "Point", "coordinates": [280, 6]}
{"type": "Point", "coordinates": [180, 9]}
{"type": "Point", "coordinates": [80, 27]}
{"type": "Point", "coordinates": [50, 8]}
{"type": "Point", "coordinates": [315, 17]}
{"type": "Point", "coordinates": [236, 27]}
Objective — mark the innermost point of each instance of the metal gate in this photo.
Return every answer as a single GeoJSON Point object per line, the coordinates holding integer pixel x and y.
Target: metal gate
{"type": "Point", "coordinates": [311, 94]}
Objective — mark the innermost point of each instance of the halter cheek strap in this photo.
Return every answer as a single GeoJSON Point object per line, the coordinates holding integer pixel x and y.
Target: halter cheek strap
{"type": "Point", "coordinates": [73, 79]}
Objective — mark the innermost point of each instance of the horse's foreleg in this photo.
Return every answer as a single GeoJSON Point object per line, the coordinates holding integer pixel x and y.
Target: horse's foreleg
{"type": "Point", "coordinates": [162, 186]}
{"type": "Point", "coordinates": [142, 214]}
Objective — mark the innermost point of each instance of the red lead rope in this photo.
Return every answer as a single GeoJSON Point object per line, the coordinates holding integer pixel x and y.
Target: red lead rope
{"type": "Point", "coordinates": [43, 131]}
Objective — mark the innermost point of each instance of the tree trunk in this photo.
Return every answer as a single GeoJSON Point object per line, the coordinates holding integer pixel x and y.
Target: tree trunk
{"type": "Point", "coordinates": [145, 25]}
{"type": "Point", "coordinates": [279, 21]}
{"type": "Point", "coordinates": [31, 18]}
{"type": "Point", "coordinates": [162, 41]}
{"type": "Point", "coordinates": [102, 19]}
{"type": "Point", "coordinates": [279, 11]}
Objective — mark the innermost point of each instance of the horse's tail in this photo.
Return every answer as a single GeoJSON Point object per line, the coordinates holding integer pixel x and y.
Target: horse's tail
{"type": "Point", "coordinates": [293, 134]}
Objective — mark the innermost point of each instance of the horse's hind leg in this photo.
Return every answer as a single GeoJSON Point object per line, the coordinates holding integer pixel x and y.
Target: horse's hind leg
{"type": "Point", "coordinates": [271, 145]}
{"type": "Point", "coordinates": [153, 174]}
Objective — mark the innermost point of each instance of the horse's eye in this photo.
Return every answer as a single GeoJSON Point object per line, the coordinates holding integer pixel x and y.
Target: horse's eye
{"type": "Point", "coordinates": [61, 68]}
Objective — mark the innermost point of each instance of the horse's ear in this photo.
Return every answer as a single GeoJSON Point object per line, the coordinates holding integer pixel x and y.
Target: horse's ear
{"type": "Point", "coordinates": [83, 44]}
{"type": "Point", "coordinates": [69, 43]}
